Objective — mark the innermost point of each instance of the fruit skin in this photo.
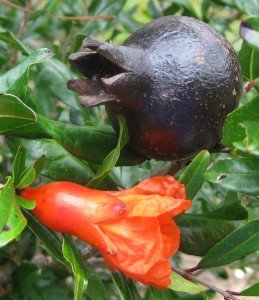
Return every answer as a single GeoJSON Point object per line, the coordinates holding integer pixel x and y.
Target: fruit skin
{"type": "Point", "coordinates": [175, 80]}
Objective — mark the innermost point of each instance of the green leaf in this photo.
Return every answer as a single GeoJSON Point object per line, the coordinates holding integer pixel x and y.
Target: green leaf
{"type": "Point", "coordinates": [249, 31]}
{"type": "Point", "coordinates": [92, 143]}
{"type": "Point", "coordinates": [19, 121]}
{"type": "Point", "coordinates": [251, 291]}
{"type": "Point", "coordinates": [247, 113]}
{"type": "Point", "coordinates": [51, 240]}
{"type": "Point", "coordinates": [111, 159]}
{"type": "Point", "coordinates": [80, 281]}
{"type": "Point", "coordinates": [164, 294]}
{"type": "Point", "coordinates": [199, 232]}
{"type": "Point", "coordinates": [239, 243]}
{"type": "Point", "coordinates": [125, 287]}
{"type": "Point", "coordinates": [59, 164]}
{"type": "Point", "coordinates": [25, 203]}
{"type": "Point", "coordinates": [27, 95]}
{"type": "Point", "coordinates": [53, 76]}
{"type": "Point", "coordinates": [186, 4]}
{"type": "Point", "coordinates": [14, 226]}
{"type": "Point", "coordinates": [7, 198]}
{"type": "Point", "coordinates": [236, 174]}
{"type": "Point", "coordinates": [85, 278]}
{"type": "Point", "coordinates": [38, 165]}
{"type": "Point", "coordinates": [14, 114]}
{"type": "Point", "coordinates": [27, 178]}
{"type": "Point", "coordinates": [24, 278]}
{"type": "Point", "coordinates": [248, 58]}
{"type": "Point", "coordinates": [192, 176]}
{"type": "Point", "coordinates": [234, 211]}
{"type": "Point", "coordinates": [180, 284]}
{"type": "Point", "coordinates": [19, 164]}
{"type": "Point", "coordinates": [250, 7]}
{"type": "Point", "coordinates": [9, 78]}
{"type": "Point", "coordinates": [102, 7]}
{"type": "Point", "coordinates": [9, 38]}
{"type": "Point", "coordinates": [250, 145]}
{"type": "Point", "coordinates": [49, 5]}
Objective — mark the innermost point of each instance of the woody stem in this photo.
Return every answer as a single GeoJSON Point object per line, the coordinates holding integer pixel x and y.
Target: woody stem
{"type": "Point", "coordinates": [188, 276]}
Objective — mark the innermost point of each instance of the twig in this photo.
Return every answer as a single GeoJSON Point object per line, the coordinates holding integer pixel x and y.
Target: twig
{"type": "Point", "coordinates": [226, 294]}
{"type": "Point", "coordinates": [249, 85]}
{"type": "Point", "coordinates": [71, 18]}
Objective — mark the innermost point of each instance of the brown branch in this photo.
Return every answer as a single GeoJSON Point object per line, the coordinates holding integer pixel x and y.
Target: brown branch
{"type": "Point", "coordinates": [71, 18]}
{"type": "Point", "coordinates": [226, 294]}
{"type": "Point", "coordinates": [81, 18]}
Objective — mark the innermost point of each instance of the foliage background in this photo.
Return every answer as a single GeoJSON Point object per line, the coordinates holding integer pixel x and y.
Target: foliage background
{"type": "Point", "coordinates": [34, 264]}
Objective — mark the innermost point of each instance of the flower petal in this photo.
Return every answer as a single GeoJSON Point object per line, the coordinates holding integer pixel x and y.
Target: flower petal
{"type": "Point", "coordinates": [140, 247]}
{"type": "Point", "coordinates": [153, 205]}
{"type": "Point", "coordinates": [157, 276]}
{"type": "Point", "coordinates": [155, 196]}
{"type": "Point", "coordinates": [171, 235]}
{"type": "Point", "coordinates": [160, 185]}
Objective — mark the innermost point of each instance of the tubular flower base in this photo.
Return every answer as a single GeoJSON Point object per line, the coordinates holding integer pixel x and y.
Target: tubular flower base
{"type": "Point", "coordinates": [132, 228]}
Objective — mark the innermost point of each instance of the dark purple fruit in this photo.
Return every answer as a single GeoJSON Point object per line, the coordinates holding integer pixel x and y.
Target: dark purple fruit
{"type": "Point", "coordinates": [175, 80]}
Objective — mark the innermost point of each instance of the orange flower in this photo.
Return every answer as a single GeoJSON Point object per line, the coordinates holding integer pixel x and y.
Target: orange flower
{"type": "Point", "coordinates": [132, 228]}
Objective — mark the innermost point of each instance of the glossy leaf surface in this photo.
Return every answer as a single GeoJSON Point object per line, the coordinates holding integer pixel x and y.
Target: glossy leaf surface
{"type": "Point", "coordinates": [7, 199]}
{"type": "Point", "coordinates": [239, 243]}
{"type": "Point", "coordinates": [251, 291]}
{"type": "Point", "coordinates": [14, 226]}
{"type": "Point", "coordinates": [193, 175]}
{"type": "Point", "coordinates": [178, 283]}
{"type": "Point", "coordinates": [86, 279]}
{"type": "Point", "coordinates": [236, 174]}
{"type": "Point", "coordinates": [13, 75]}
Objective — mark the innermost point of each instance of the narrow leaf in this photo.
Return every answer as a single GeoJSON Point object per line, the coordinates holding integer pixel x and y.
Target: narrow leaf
{"type": "Point", "coordinates": [25, 203]}
{"type": "Point", "coordinates": [102, 7]}
{"type": "Point", "coordinates": [248, 58]}
{"type": "Point", "coordinates": [38, 165]}
{"type": "Point", "coordinates": [19, 164]}
{"type": "Point", "coordinates": [193, 175]}
{"type": "Point", "coordinates": [247, 113]}
{"type": "Point", "coordinates": [87, 144]}
{"type": "Point", "coordinates": [179, 284]}
{"type": "Point", "coordinates": [53, 76]}
{"type": "Point", "coordinates": [236, 174]}
{"type": "Point", "coordinates": [199, 233]}
{"type": "Point", "coordinates": [7, 198]}
{"type": "Point", "coordinates": [111, 159]}
{"type": "Point", "coordinates": [251, 291]}
{"type": "Point", "coordinates": [164, 294]}
{"type": "Point", "coordinates": [250, 145]}
{"type": "Point", "coordinates": [27, 178]}
{"type": "Point", "coordinates": [9, 38]}
{"type": "Point", "coordinates": [51, 240]}
{"type": "Point", "coordinates": [14, 114]}
{"type": "Point", "coordinates": [59, 164]}
{"type": "Point", "coordinates": [14, 226]}
{"type": "Point", "coordinates": [233, 211]}
{"type": "Point", "coordinates": [14, 74]}
{"type": "Point", "coordinates": [85, 278]}
{"type": "Point", "coordinates": [239, 243]}
{"type": "Point", "coordinates": [125, 287]}
{"type": "Point", "coordinates": [80, 282]}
